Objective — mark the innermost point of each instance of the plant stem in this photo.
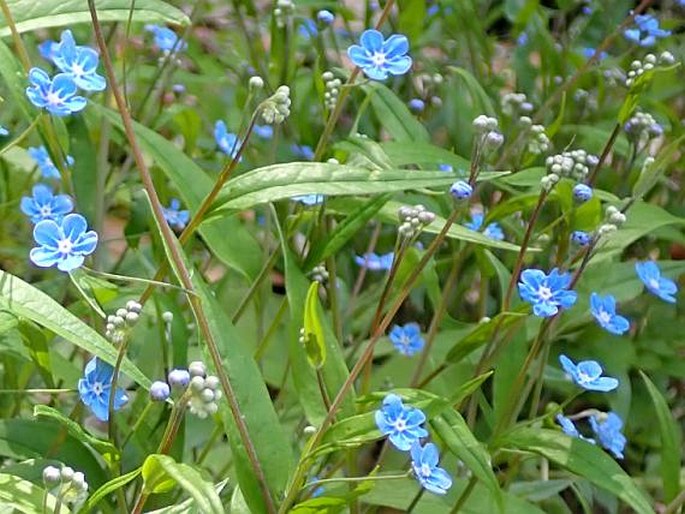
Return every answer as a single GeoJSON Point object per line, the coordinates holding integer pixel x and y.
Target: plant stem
{"type": "Point", "coordinates": [179, 265]}
{"type": "Point", "coordinates": [464, 495]}
{"type": "Point", "coordinates": [675, 505]}
{"type": "Point", "coordinates": [605, 153]}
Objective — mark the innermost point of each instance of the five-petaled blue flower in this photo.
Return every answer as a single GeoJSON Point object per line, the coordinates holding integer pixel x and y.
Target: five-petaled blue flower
{"type": "Point", "coordinates": [57, 95]}
{"type": "Point", "coordinates": [407, 339]}
{"type": "Point", "coordinates": [95, 388]}
{"type": "Point", "coordinates": [374, 262]}
{"type": "Point", "coordinates": [379, 58]}
{"type": "Point", "coordinates": [227, 141]}
{"type": "Point", "coordinates": [80, 62]}
{"type": "Point", "coordinates": [402, 424]}
{"type": "Point", "coordinates": [547, 293]}
{"type": "Point", "coordinates": [588, 375]}
{"type": "Point", "coordinates": [607, 428]}
{"type": "Point", "coordinates": [65, 243]}
{"type": "Point", "coordinates": [48, 49]}
{"type": "Point", "coordinates": [650, 274]}
{"type": "Point", "coordinates": [263, 131]}
{"type": "Point", "coordinates": [569, 428]}
{"type": "Point", "coordinates": [425, 465]}
{"type": "Point", "coordinates": [46, 206]}
{"type": "Point", "coordinates": [45, 164]}
{"type": "Point", "coordinates": [493, 230]}
{"type": "Point", "coordinates": [603, 308]}
{"type": "Point", "coordinates": [309, 200]}
{"type": "Point", "coordinates": [581, 238]}
{"type": "Point", "coordinates": [303, 151]}
{"type": "Point", "coordinates": [647, 30]}
{"type": "Point", "coordinates": [174, 216]}
{"type": "Point", "coordinates": [166, 39]}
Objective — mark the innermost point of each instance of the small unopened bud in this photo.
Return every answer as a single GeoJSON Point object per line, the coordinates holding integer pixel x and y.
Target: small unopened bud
{"type": "Point", "coordinates": [159, 391]}
{"type": "Point", "coordinates": [178, 378]}
{"type": "Point", "coordinates": [67, 473]}
{"type": "Point", "coordinates": [133, 306]}
{"type": "Point", "coordinates": [51, 476]}
{"type": "Point", "coordinates": [582, 193]}
{"type": "Point", "coordinates": [197, 369]}
{"type": "Point", "coordinates": [167, 316]}
{"type": "Point", "coordinates": [256, 82]}
{"type": "Point", "coordinates": [461, 190]}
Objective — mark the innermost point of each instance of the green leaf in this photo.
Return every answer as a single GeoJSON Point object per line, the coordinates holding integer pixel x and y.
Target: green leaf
{"type": "Point", "coordinates": [650, 174]}
{"type": "Point", "coordinates": [314, 342]}
{"type": "Point", "coordinates": [31, 15]}
{"type": "Point", "coordinates": [581, 458]}
{"type": "Point", "coordinates": [108, 488]}
{"type": "Point", "coordinates": [19, 495]}
{"type": "Point", "coordinates": [455, 433]}
{"type": "Point", "coordinates": [104, 448]}
{"type": "Point", "coordinates": [15, 77]}
{"type": "Point", "coordinates": [193, 184]}
{"type": "Point", "coordinates": [282, 181]}
{"type": "Point", "coordinates": [24, 300]}
{"type": "Point", "coordinates": [479, 96]}
{"type": "Point", "coordinates": [394, 114]}
{"type": "Point", "coordinates": [402, 154]}
{"type": "Point", "coordinates": [85, 169]}
{"type": "Point", "coordinates": [160, 471]}
{"type": "Point", "coordinates": [412, 17]}
{"type": "Point", "coordinates": [670, 441]}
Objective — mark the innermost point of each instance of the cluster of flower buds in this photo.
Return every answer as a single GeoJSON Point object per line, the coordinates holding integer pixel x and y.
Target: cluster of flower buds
{"type": "Point", "coordinates": [283, 11]}
{"type": "Point", "coordinates": [613, 220]}
{"type": "Point", "coordinates": [516, 104]}
{"type": "Point", "coordinates": [650, 61]}
{"type": "Point", "coordinates": [575, 164]}
{"type": "Point", "coordinates": [120, 323]}
{"type": "Point", "coordinates": [69, 485]}
{"type": "Point", "coordinates": [487, 128]}
{"type": "Point", "coordinates": [427, 84]}
{"type": "Point", "coordinates": [319, 274]}
{"type": "Point", "coordinates": [538, 142]}
{"type": "Point", "coordinates": [332, 92]}
{"type": "Point", "coordinates": [204, 391]}
{"type": "Point", "coordinates": [276, 108]}
{"type": "Point", "coordinates": [584, 100]}
{"type": "Point", "coordinates": [642, 127]}
{"type": "Point", "coordinates": [413, 219]}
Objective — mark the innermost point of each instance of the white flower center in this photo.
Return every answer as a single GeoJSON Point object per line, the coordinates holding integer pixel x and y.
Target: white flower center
{"type": "Point", "coordinates": [654, 283]}
{"type": "Point", "coordinates": [583, 377]}
{"type": "Point", "coordinates": [97, 388]}
{"type": "Point", "coordinates": [604, 317]}
{"type": "Point", "coordinates": [545, 293]}
{"type": "Point", "coordinates": [45, 211]}
{"type": "Point", "coordinates": [405, 341]}
{"type": "Point", "coordinates": [400, 425]}
{"type": "Point", "coordinates": [378, 59]}
{"type": "Point", "coordinates": [53, 98]}
{"type": "Point", "coordinates": [65, 246]}
{"type": "Point", "coordinates": [425, 470]}
{"type": "Point", "coordinates": [77, 70]}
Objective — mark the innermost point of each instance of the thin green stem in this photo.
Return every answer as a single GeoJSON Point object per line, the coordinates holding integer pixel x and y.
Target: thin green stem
{"type": "Point", "coordinates": [182, 270]}
{"type": "Point", "coordinates": [464, 495]}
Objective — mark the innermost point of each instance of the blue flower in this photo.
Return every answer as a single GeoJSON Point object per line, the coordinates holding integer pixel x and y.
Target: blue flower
{"type": "Point", "coordinates": [425, 465]}
{"type": "Point", "coordinates": [176, 218]}
{"type": "Point", "coordinates": [650, 274]}
{"type": "Point", "coordinates": [326, 17]}
{"type": "Point", "coordinates": [4, 132]}
{"type": "Point", "coordinates": [56, 95]}
{"type": "Point", "coordinates": [588, 375]}
{"type": "Point", "coordinates": [80, 62]}
{"type": "Point", "coordinates": [95, 388]}
{"type": "Point", "coordinates": [379, 58]}
{"type": "Point", "coordinates": [374, 262]}
{"type": "Point", "coordinates": [417, 105]}
{"type": "Point", "coordinates": [608, 427]}
{"type": "Point", "coordinates": [604, 311]}
{"type": "Point", "coordinates": [461, 190]}
{"type": "Point", "coordinates": [407, 339]}
{"type": "Point", "coordinates": [582, 193]}
{"type": "Point", "coordinates": [493, 230]}
{"type": "Point", "coordinates": [446, 167]}
{"type": "Point", "coordinates": [48, 49]}
{"type": "Point", "coordinates": [547, 293]}
{"type": "Point", "coordinates": [46, 206]}
{"type": "Point", "coordinates": [569, 428]}
{"type": "Point", "coordinates": [309, 200]}
{"type": "Point", "coordinates": [65, 243]}
{"type": "Point", "coordinates": [647, 30]}
{"type": "Point", "coordinates": [401, 424]}
{"type": "Point", "coordinates": [581, 238]}
{"type": "Point", "coordinates": [588, 52]}
{"type": "Point", "coordinates": [303, 151]}
{"type": "Point", "coordinates": [307, 29]}
{"type": "Point", "coordinates": [263, 131]}
{"type": "Point", "coordinates": [45, 164]}
{"type": "Point", "coordinates": [227, 141]}
{"type": "Point", "coordinates": [166, 39]}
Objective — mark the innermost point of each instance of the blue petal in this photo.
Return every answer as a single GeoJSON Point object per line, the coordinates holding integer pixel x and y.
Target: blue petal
{"type": "Point", "coordinates": [39, 78]}
{"type": "Point", "coordinates": [568, 365]}
{"type": "Point", "coordinates": [86, 244]}
{"type": "Point", "coordinates": [44, 257]}
{"type": "Point", "coordinates": [430, 455]}
{"type": "Point", "coordinates": [590, 368]}
{"type": "Point", "coordinates": [73, 226]}
{"type": "Point", "coordinates": [359, 56]}
{"type": "Point", "coordinates": [70, 262]}
{"type": "Point", "coordinates": [47, 233]}
{"type": "Point", "coordinates": [375, 72]}
{"type": "Point", "coordinates": [399, 66]}
{"type": "Point", "coordinates": [602, 384]}
{"type": "Point", "coordinates": [372, 40]}
{"type": "Point", "coordinates": [396, 45]}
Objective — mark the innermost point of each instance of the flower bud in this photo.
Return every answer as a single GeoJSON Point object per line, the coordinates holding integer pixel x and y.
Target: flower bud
{"type": "Point", "coordinates": [67, 473]}
{"type": "Point", "coordinates": [178, 378]}
{"type": "Point", "coordinates": [159, 391]}
{"type": "Point", "coordinates": [197, 369]}
{"type": "Point", "coordinates": [51, 476]}
{"type": "Point", "coordinates": [582, 193]}
{"type": "Point", "coordinates": [417, 105]}
{"type": "Point", "coordinates": [256, 82]}
{"type": "Point", "coordinates": [167, 316]}
{"type": "Point", "coordinates": [581, 238]}
{"type": "Point", "coordinates": [461, 190]}
{"type": "Point", "coordinates": [326, 17]}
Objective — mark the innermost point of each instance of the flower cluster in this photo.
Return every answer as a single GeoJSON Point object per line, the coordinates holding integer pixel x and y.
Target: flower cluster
{"type": "Point", "coordinates": [413, 219]}
{"type": "Point", "coordinates": [78, 70]}
{"type": "Point", "coordinates": [606, 427]}
{"type": "Point", "coordinates": [488, 135]}
{"type": "Point", "coordinates": [648, 63]}
{"type": "Point", "coordinates": [492, 230]}
{"type": "Point", "coordinates": [120, 323]}
{"type": "Point", "coordinates": [574, 164]}
{"type": "Point", "coordinates": [402, 425]}
{"type": "Point", "coordinates": [646, 30]}
{"type": "Point", "coordinates": [374, 262]}
{"type": "Point", "coordinates": [332, 85]}
{"type": "Point", "coordinates": [204, 391]}
{"type": "Point", "coordinates": [641, 127]}
{"type": "Point", "coordinates": [68, 485]}
{"type": "Point", "coordinates": [276, 108]}
{"type": "Point", "coordinates": [45, 165]}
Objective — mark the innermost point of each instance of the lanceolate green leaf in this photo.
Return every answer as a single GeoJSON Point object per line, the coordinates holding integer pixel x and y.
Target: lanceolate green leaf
{"type": "Point", "coordinates": [193, 184]}
{"type": "Point", "coordinates": [670, 441]}
{"type": "Point", "coordinates": [581, 458]}
{"type": "Point", "coordinates": [281, 181]}
{"type": "Point", "coordinates": [22, 299]}
{"type": "Point", "coordinates": [162, 468]}
{"type": "Point", "coordinates": [394, 114]}
{"type": "Point", "coordinates": [315, 344]}
{"type": "Point", "coordinates": [108, 488]}
{"type": "Point", "coordinates": [31, 15]}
